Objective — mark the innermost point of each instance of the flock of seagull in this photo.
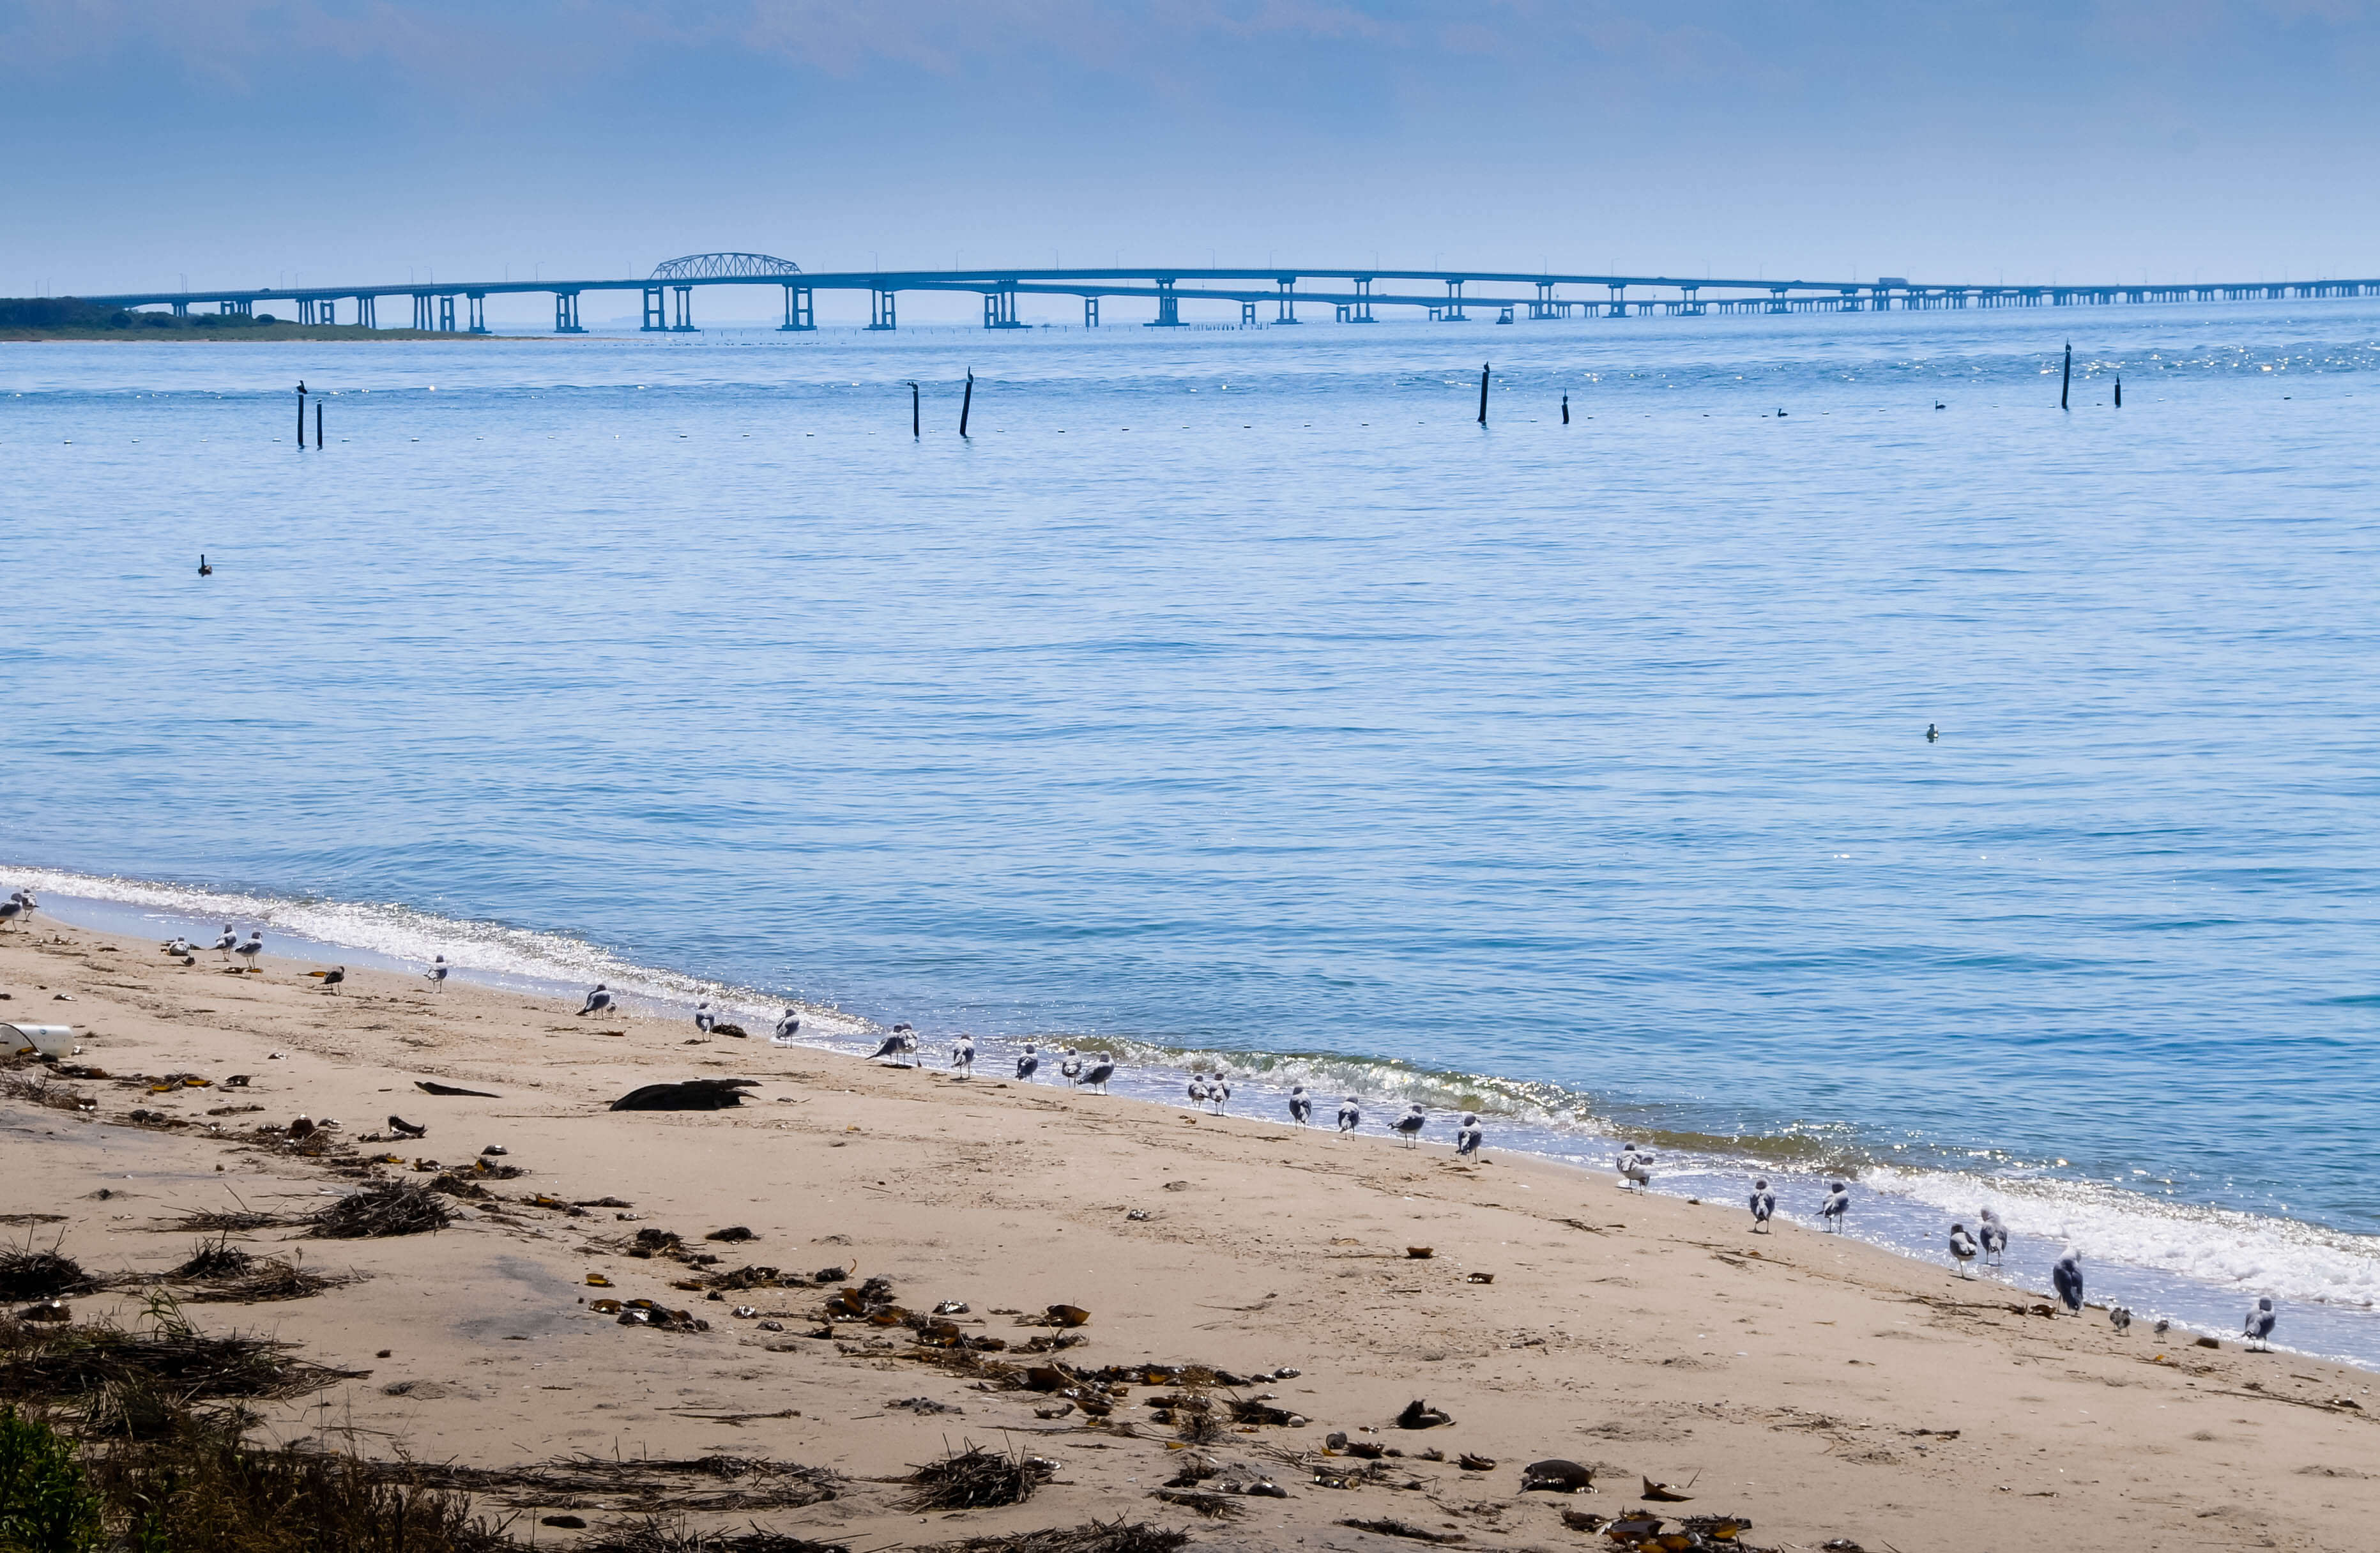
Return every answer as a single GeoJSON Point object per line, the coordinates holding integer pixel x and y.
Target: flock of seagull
{"type": "Point", "coordinates": [1988, 1242]}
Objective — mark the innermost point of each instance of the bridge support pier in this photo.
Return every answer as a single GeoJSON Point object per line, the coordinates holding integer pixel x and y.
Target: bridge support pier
{"type": "Point", "coordinates": [446, 313]}
{"type": "Point", "coordinates": [801, 313]}
{"type": "Point", "coordinates": [235, 307]}
{"type": "Point", "coordinates": [1090, 312]}
{"type": "Point", "coordinates": [1616, 305]}
{"type": "Point", "coordinates": [421, 309]}
{"type": "Point", "coordinates": [1248, 315]}
{"type": "Point", "coordinates": [479, 311]}
{"type": "Point", "coordinates": [654, 310]}
{"type": "Point", "coordinates": [1691, 301]}
{"type": "Point", "coordinates": [565, 313]}
{"type": "Point", "coordinates": [684, 324]}
{"type": "Point", "coordinates": [1288, 300]}
{"type": "Point", "coordinates": [1360, 310]}
{"type": "Point", "coordinates": [999, 309]}
{"type": "Point", "coordinates": [1544, 306]}
{"type": "Point", "coordinates": [1169, 308]}
{"type": "Point", "coordinates": [1453, 312]}
{"type": "Point", "coordinates": [367, 311]}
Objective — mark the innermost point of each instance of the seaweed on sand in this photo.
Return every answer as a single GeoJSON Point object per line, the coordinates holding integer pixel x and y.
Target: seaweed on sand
{"type": "Point", "coordinates": [701, 1483]}
{"type": "Point", "coordinates": [1118, 1535]}
{"type": "Point", "coordinates": [389, 1208]}
{"type": "Point", "coordinates": [974, 1478]}
{"type": "Point", "coordinates": [653, 1534]}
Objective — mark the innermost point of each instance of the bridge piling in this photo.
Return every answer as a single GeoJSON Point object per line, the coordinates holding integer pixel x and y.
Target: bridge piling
{"type": "Point", "coordinates": [801, 311]}
{"type": "Point", "coordinates": [1483, 394]}
{"type": "Point", "coordinates": [479, 311]}
{"type": "Point", "coordinates": [879, 311]}
{"type": "Point", "coordinates": [1169, 307]}
{"type": "Point", "coordinates": [1288, 300]}
{"type": "Point", "coordinates": [1090, 312]}
{"type": "Point", "coordinates": [318, 426]}
{"type": "Point", "coordinates": [565, 313]}
{"type": "Point", "coordinates": [966, 405]}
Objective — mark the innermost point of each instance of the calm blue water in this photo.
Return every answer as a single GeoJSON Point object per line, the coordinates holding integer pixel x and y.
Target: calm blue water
{"type": "Point", "coordinates": [1235, 692]}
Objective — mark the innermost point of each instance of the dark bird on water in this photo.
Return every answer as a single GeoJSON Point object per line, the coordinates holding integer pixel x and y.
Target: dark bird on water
{"type": "Point", "coordinates": [1932, 732]}
{"type": "Point", "coordinates": [2066, 1276]}
{"type": "Point", "coordinates": [205, 570]}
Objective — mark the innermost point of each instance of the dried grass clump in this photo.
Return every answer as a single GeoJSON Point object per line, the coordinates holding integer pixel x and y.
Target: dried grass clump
{"type": "Point", "coordinates": [701, 1483]}
{"type": "Point", "coordinates": [1118, 1535]}
{"type": "Point", "coordinates": [217, 1222]}
{"type": "Point", "coordinates": [390, 1208]}
{"type": "Point", "coordinates": [653, 1535]}
{"type": "Point", "coordinates": [976, 1478]}
{"type": "Point", "coordinates": [29, 1274]}
{"type": "Point", "coordinates": [37, 1089]}
{"type": "Point", "coordinates": [131, 1382]}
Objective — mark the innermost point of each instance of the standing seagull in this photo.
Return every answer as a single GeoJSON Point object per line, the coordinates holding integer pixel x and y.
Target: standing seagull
{"type": "Point", "coordinates": [1409, 1124]}
{"type": "Point", "coordinates": [2066, 1276]}
{"type": "Point", "coordinates": [899, 1044]}
{"type": "Point", "coordinates": [703, 1018]}
{"type": "Point", "coordinates": [2121, 1318]}
{"type": "Point", "coordinates": [2261, 1320]}
{"type": "Point", "coordinates": [1349, 1114]}
{"type": "Point", "coordinates": [1635, 1168]}
{"type": "Point", "coordinates": [963, 1057]}
{"type": "Point", "coordinates": [1219, 1092]}
{"type": "Point", "coordinates": [597, 1002]}
{"type": "Point", "coordinates": [12, 910]}
{"type": "Point", "coordinates": [1468, 1137]}
{"type": "Point", "coordinates": [1301, 1105]}
{"type": "Point", "coordinates": [229, 941]}
{"type": "Point", "coordinates": [437, 973]}
{"type": "Point", "coordinates": [1070, 1067]}
{"type": "Point", "coordinates": [1763, 1206]}
{"type": "Point", "coordinates": [1962, 1248]}
{"type": "Point", "coordinates": [253, 948]}
{"type": "Point", "coordinates": [1837, 1204]}
{"type": "Point", "coordinates": [1994, 1235]}
{"type": "Point", "coordinates": [1097, 1075]}
{"type": "Point", "coordinates": [1028, 1064]}
{"type": "Point", "coordinates": [1197, 1089]}
{"type": "Point", "coordinates": [331, 979]}
{"type": "Point", "coordinates": [789, 1024]}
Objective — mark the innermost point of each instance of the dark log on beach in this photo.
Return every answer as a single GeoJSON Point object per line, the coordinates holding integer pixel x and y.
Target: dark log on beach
{"type": "Point", "coordinates": [694, 1094]}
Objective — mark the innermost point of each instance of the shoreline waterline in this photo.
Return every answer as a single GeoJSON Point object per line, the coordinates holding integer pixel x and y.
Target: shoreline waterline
{"type": "Point", "coordinates": [2194, 1264]}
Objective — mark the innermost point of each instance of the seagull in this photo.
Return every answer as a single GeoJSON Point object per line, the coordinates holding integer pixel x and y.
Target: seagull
{"type": "Point", "coordinates": [963, 1057]}
{"type": "Point", "coordinates": [2259, 1328]}
{"type": "Point", "coordinates": [1635, 1168]}
{"type": "Point", "coordinates": [332, 978]}
{"type": "Point", "coordinates": [597, 1002]}
{"type": "Point", "coordinates": [788, 1026]}
{"type": "Point", "coordinates": [1071, 1069]}
{"type": "Point", "coordinates": [405, 1129]}
{"type": "Point", "coordinates": [2067, 1278]}
{"type": "Point", "coordinates": [899, 1044]}
{"type": "Point", "coordinates": [12, 908]}
{"type": "Point", "coordinates": [229, 941]}
{"type": "Point", "coordinates": [1994, 1235]}
{"type": "Point", "coordinates": [1218, 1091]}
{"type": "Point", "coordinates": [1301, 1105]}
{"type": "Point", "coordinates": [1028, 1064]}
{"type": "Point", "coordinates": [1198, 1089]}
{"type": "Point", "coordinates": [1838, 1203]}
{"type": "Point", "coordinates": [703, 1018]}
{"type": "Point", "coordinates": [2163, 1326]}
{"type": "Point", "coordinates": [252, 948]}
{"type": "Point", "coordinates": [1409, 1124]}
{"type": "Point", "coordinates": [1097, 1075]}
{"type": "Point", "coordinates": [177, 946]}
{"type": "Point", "coordinates": [2120, 1317]}
{"type": "Point", "coordinates": [437, 973]}
{"type": "Point", "coordinates": [1349, 1115]}
{"type": "Point", "coordinates": [1764, 1205]}
{"type": "Point", "coordinates": [1468, 1137]}
{"type": "Point", "coordinates": [1962, 1248]}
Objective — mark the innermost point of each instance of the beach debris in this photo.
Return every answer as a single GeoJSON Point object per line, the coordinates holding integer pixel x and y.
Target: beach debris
{"type": "Point", "coordinates": [426, 1088]}
{"type": "Point", "coordinates": [29, 1274]}
{"type": "Point", "coordinates": [693, 1094]}
{"type": "Point", "coordinates": [1469, 1463]}
{"type": "Point", "coordinates": [564, 1523]}
{"type": "Point", "coordinates": [1583, 1520]}
{"type": "Point", "coordinates": [1399, 1529]}
{"type": "Point", "coordinates": [597, 1280]}
{"type": "Point", "coordinates": [974, 1478]}
{"type": "Point", "coordinates": [1095, 1537]}
{"type": "Point", "coordinates": [1419, 1253]}
{"type": "Point", "coordinates": [1556, 1476]}
{"type": "Point", "coordinates": [645, 1313]}
{"type": "Point", "coordinates": [2208, 1343]}
{"type": "Point", "coordinates": [1663, 1493]}
{"type": "Point", "coordinates": [399, 1127]}
{"type": "Point", "coordinates": [953, 1307]}
{"type": "Point", "coordinates": [497, 1151]}
{"type": "Point", "coordinates": [1047, 1414]}
{"type": "Point", "coordinates": [1200, 1501]}
{"type": "Point", "coordinates": [1480, 1278]}
{"type": "Point", "coordinates": [734, 1233]}
{"type": "Point", "coordinates": [386, 1208]}
{"type": "Point", "coordinates": [205, 1222]}
{"type": "Point", "coordinates": [1419, 1414]}
{"type": "Point", "coordinates": [1067, 1316]}
{"type": "Point", "coordinates": [923, 1405]}
{"type": "Point", "coordinates": [47, 1310]}
{"type": "Point", "coordinates": [1137, 1214]}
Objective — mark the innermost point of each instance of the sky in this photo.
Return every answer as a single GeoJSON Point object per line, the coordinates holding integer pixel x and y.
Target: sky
{"type": "Point", "coordinates": [247, 142]}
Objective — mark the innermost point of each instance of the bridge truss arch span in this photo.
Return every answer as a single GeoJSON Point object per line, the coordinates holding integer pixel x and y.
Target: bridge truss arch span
{"type": "Point", "coordinates": [727, 266]}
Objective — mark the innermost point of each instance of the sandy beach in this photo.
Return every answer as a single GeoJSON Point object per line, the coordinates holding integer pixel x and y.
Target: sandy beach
{"type": "Point", "coordinates": [1826, 1393]}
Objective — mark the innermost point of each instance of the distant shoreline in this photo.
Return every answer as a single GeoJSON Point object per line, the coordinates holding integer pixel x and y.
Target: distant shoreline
{"type": "Point", "coordinates": [245, 335]}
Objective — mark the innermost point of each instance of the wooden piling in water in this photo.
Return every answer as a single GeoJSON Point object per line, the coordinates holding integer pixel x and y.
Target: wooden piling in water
{"type": "Point", "coordinates": [301, 415]}
{"type": "Point", "coordinates": [2119, 394]}
{"type": "Point", "coordinates": [966, 403]}
{"type": "Point", "coordinates": [2066, 384]}
{"type": "Point", "coordinates": [1483, 394]}
{"type": "Point", "coordinates": [318, 425]}
{"type": "Point", "coordinates": [916, 427]}
{"type": "Point", "coordinates": [1565, 409]}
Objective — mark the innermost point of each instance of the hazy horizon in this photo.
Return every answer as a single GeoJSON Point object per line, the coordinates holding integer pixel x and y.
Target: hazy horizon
{"type": "Point", "coordinates": [241, 143]}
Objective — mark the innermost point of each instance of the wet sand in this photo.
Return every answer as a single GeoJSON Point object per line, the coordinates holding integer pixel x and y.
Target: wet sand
{"type": "Point", "coordinates": [1816, 1386]}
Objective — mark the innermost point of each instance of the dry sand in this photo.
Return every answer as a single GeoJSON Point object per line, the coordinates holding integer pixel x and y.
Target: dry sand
{"type": "Point", "coordinates": [1819, 1387]}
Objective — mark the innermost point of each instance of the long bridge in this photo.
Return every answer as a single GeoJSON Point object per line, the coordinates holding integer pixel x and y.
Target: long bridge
{"type": "Point", "coordinates": [1351, 295]}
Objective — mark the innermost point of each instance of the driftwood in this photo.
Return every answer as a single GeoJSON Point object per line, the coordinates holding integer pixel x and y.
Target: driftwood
{"type": "Point", "coordinates": [693, 1094]}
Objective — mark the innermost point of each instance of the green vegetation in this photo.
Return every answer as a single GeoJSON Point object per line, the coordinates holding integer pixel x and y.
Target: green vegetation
{"type": "Point", "coordinates": [67, 318]}
{"type": "Point", "coordinates": [47, 1505]}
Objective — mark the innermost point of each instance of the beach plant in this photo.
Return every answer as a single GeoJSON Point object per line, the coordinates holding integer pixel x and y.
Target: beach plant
{"type": "Point", "coordinates": [47, 1505]}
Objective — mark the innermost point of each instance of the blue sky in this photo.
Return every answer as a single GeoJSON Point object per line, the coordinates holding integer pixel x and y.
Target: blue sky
{"type": "Point", "coordinates": [236, 142]}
